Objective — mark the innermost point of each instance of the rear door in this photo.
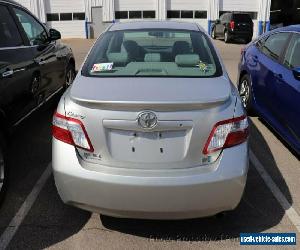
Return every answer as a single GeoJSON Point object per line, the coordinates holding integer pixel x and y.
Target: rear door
{"type": "Point", "coordinates": [220, 26]}
{"type": "Point", "coordinates": [16, 63]}
{"type": "Point", "coordinates": [287, 94]}
{"type": "Point", "coordinates": [51, 67]}
{"type": "Point", "coordinates": [264, 70]}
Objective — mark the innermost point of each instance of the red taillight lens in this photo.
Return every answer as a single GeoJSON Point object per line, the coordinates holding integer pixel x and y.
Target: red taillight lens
{"type": "Point", "coordinates": [71, 131]}
{"type": "Point", "coordinates": [226, 134]}
{"type": "Point", "coordinates": [242, 50]}
{"type": "Point", "coordinates": [232, 25]}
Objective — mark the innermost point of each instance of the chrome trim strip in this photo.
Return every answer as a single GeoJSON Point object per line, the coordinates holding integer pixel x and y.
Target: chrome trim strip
{"type": "Point", "coordinates": [36, 108]}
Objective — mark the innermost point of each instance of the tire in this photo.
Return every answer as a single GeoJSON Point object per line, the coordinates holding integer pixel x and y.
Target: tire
{"type": "Point", "coordinates": [70, 76]}
{"type": "Point", "coordinates": [3, 171]}
{"type": "Point", "coordinates": [226, 37]}
{"type": "Point", "coordinates": [213, 33]}
{"type": "Point", "coordinates": [246, 94]}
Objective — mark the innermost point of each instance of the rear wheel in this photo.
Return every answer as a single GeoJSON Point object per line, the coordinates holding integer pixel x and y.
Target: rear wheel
{"type": "Point", "coordinates": [226, 37]}
{"type": "Point", "coordinates": [213, 33]}
{"type": "Point", "coordinates": [70, 75]}
{"type": "Point", "coordinates": [245, 91]}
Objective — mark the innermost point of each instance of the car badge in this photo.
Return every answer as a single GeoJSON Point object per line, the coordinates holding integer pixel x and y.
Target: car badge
{"type": "Point", "coordinates": [147, 120]}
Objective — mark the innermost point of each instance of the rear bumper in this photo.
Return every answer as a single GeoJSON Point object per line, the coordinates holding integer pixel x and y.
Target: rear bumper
{"type": "Point", "coordinates": [240, 34]}
{"type": "Point", "coordinates": [180, 194]}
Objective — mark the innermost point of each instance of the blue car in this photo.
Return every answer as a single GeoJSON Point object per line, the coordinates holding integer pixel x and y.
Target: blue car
{"type": "Point", "coordinates": [269, 81]}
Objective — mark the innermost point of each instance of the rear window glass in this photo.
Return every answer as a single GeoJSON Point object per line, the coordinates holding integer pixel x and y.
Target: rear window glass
{"type": "Point", "coordinates": [164, 53]}
{"type": "Point", "coordinates": [242, 18]}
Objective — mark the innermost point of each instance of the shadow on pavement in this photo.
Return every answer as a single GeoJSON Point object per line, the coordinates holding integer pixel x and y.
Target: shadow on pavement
{"type": "Point", "coordinates": [29, 153]}
{"type": "Point", "coordinates": [258, 210]}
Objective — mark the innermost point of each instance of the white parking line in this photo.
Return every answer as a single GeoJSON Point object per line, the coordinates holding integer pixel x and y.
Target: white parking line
{"type": "Point", "coordinates": [15, 223]}
{"type": "Point", "coordinates": [289, 210]}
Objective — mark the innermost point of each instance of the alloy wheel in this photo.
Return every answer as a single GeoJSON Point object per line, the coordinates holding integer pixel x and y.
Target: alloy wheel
{"type": "Point", "coordinates": [244, 92]}
{"type": "Point", "coordinates": [69, 78]}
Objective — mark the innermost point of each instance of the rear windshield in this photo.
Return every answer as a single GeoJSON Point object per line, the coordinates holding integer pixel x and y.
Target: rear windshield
{"type": "Point", "coordinates": [163, 53]}
{"type": "Point", "coordinates": [242, 18]}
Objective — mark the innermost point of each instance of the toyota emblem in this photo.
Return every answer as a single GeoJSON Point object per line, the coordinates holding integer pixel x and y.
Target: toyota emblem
{"type": "Point", "coordinates": [147, 120]}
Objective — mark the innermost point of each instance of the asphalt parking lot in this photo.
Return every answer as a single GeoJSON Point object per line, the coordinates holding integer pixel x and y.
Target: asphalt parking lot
{"type": "Point", "coordinates": [271, 202]}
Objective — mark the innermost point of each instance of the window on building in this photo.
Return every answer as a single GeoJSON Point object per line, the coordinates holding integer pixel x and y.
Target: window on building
{"type": "Point", "coordinates": [135, 14]}
{"type": "Point", "coordinates": [52, 17]}
{"type": "Point", "coordinates": [121, 14]}
{"type": "Point", "coordinates": [186, 14]}
{"type": "Point", "coordinates": [9, 34]}
{"type": "Point", "coordinates": [66, 17]}
{"type": "Point", "coordinates": [200, 14]}
{"type": "Point", "coordinates": [148, 14]}
{"type": "Point", "coordinates": [79, 16]}
{"type": "Point", "coordinates": [35, 32]}
{"type": "Point", "coordinates": [173, 14]}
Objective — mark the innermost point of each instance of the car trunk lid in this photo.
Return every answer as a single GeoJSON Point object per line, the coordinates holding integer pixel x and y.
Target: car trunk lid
{"type": "Point", "coordinates": [185, 109]}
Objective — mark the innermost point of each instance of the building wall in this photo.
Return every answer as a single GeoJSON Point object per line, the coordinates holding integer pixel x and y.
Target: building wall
{"type": "Point", "coordinates": [201, 5]}
{"type": "Point", "coordinates": [239, 5]}
{"type": "Point", "coordinates": [187, 4]}
{"type": "Point", "coordinates": [135, 5]}
{"type": "Point", "coordinates": [68, 29]}
{"type": "Point", "coordinates": [76, 28]}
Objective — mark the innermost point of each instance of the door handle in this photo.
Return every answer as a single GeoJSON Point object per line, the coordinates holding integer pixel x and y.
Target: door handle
{"type": "Point", "coordinates": [8, 73]}
{"type": "Point", "coordinates": [279, 77]}
{"type": "Point", "coordinates": [42, 62]}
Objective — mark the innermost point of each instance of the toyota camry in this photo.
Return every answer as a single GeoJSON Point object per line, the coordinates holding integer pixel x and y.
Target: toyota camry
{"type": "Point", "coordinates": [152, 126]}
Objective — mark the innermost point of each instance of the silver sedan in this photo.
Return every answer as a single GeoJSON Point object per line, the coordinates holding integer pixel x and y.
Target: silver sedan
{"type": "Point", "coordinates": [152, 127]}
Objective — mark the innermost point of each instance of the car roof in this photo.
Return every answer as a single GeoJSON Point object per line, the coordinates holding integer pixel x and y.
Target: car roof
{"type": "Point", "coordinates": [291, 28]}
{"type": "Point", "coordinates": [137, 25]}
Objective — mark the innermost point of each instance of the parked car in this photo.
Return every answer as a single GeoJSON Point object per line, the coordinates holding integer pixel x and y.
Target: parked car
{"type": "Point", "coordinates": [269, 81]}
{"type": "Point", "coordinates": [33, 67]}
{"type": "Point", "coordinates": [232, 26]}
{"type": "Point", "coordinates": [152, 127]}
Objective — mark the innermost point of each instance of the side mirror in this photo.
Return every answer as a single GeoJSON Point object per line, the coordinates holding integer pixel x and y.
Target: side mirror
{"type": "Point", "coordinates": [296, 72]}
{"type": "Point", "coordinates": [218, 21]}
{"type": "Point", "coordinates": [54, 35]}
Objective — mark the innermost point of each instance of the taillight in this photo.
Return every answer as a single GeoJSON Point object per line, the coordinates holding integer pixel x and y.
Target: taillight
{"type": "Point", "coordinates": [232, 25]}
{"type": "Point", "coordinates": [226, 134]}
{"type": "Point", "coordinates": [71, 131]}
{"type": "Point", "coordinates": [242, 50]}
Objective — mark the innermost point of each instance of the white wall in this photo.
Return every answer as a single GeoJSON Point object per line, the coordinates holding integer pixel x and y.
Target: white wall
{"type": "Point", "coordinates": [60, 6]}
{"type": "Point", "coordinates": [69, 29]}
{"type": "Point", "coordinates": [135, 5]}
{"type": "Point", "coordinates": [187, 4]}
{"type": "Point", "coordinates": [239, 5]}
{"type": "Point", "coordinates": [25, 3]}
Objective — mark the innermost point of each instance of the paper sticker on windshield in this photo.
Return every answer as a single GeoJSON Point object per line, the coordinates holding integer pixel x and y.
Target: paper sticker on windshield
{"type": "Point", "coordinates": [202, 66]}
{"type": "Point", "coordinates": [100, 67]}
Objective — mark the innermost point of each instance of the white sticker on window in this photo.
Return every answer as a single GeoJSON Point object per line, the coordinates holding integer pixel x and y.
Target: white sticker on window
{"type": "Point", "coordinates": [99, 67]}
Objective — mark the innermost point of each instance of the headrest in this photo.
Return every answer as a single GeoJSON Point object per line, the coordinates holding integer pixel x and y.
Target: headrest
{"type": "Point", "coordinates": [187, 60]}
{"type": "Point", "coordinates": [152, 57]}
{"type": "Point", "coordinates": [117, 57]}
